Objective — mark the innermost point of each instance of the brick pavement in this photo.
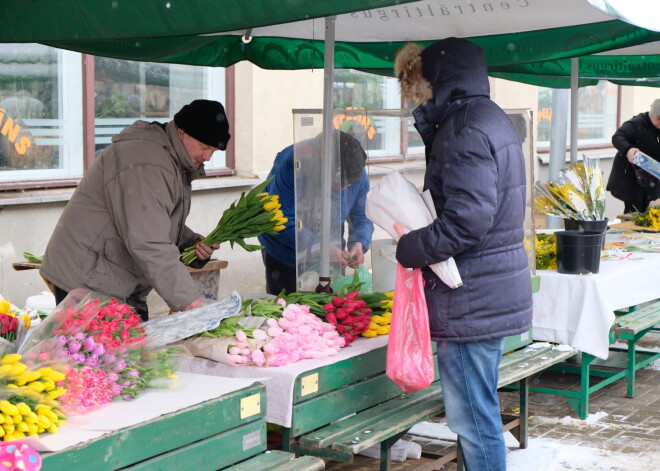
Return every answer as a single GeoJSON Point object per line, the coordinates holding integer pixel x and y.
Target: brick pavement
{"type": "Point", "coordinates": [624, 431]}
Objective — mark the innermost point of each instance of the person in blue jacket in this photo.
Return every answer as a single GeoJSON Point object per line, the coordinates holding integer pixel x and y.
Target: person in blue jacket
{"type": "Point", "coordinates": [475, 171]}
{"type": "Point", "coordinates": [279, 253]}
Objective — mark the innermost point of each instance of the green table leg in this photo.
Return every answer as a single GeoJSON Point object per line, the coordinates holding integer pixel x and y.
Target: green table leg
{"type": "Point", "coordinates": [581, 404]}
{"type": "Point", "coordinates": [630, 375]}
{"type": "Point", "coordinates": [524, 412]}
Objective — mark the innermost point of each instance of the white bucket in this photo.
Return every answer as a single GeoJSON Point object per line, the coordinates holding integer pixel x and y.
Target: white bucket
{"type": "Point", "coordinates": [383, 263]}
{"type": "Point", "coordinates": [44, 302]}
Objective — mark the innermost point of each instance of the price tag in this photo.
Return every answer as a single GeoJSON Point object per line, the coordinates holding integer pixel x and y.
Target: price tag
{"type": "Point", "coordinates": [309, 384]}
{"type": "Point", "coordinates": [250, 405]}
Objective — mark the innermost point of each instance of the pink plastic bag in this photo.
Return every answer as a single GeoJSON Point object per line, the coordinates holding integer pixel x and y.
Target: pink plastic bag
{"type": "Point", "coordinates": [409, 354]}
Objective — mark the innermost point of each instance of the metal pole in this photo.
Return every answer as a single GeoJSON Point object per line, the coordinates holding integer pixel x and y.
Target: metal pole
{"type": "Point", "coordinates": [575, 76]}
{"type": "Point", "coordinates": [557, 159]}
{"type": "Point", "coordinates": [328, 153]}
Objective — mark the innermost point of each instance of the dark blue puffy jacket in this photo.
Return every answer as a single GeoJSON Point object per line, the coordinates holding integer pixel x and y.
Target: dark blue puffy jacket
{"type": "Point", "coordinates": [476, 174]}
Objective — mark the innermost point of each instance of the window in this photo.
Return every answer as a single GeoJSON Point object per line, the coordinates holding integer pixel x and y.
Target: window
{"type": "Point", "coordinates": [125, 91]}
{"type": "Point", "coordinates": [41, 107]}
{"type": "Point", "coordinates": [40, 119]}
{"type": "Point", "coordinates": [597, 111]}
{"type": "Point", "coordinates": [387, 130]}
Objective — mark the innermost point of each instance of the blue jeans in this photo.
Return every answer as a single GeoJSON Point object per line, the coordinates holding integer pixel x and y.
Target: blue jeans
{"type": "Point", "coordinates": [469, 375]}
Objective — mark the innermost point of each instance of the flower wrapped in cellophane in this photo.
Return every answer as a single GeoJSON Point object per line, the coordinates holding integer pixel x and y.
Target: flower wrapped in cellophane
{"type": "Point", "coordinates": [277, 339]}
{"type": "Point", "coordinates": [252, 214]}
{"type": "Point", "coordinates": [13, 326]}
{"type": "Point", "coordinates": [578, 193]}
{"type": "Point", "coordinates": [100, 346]}
{"type": "Point", "coordinates": [29, 399]}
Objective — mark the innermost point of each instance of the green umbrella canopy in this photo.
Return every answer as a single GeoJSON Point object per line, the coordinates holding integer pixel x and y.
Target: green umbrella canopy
{"type": "Point", "coordinates": [636, 65]}
{"type": "Point", "coordinates": [276, 34]}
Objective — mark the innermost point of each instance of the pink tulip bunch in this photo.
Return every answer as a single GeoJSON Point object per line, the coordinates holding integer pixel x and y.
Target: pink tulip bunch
{"type": "Point", "coordinates": [297, 335]}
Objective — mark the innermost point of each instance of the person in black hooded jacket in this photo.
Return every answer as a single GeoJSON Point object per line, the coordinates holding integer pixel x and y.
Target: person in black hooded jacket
{"type": "Point", "coordinates": [475, 172]}
{"type": "Point", "coordinates": [627, 182]}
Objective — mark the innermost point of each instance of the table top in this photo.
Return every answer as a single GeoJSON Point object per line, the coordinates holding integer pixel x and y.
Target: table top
{"type": "Point", "coordinates": [578, 310]}
{"type": "Point", "coordinates": [188, 390]}
{"type": "Point", "coordinates": [279, 381]}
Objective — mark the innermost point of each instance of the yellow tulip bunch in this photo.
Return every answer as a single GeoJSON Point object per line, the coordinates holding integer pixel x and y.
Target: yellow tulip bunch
{"type": "Point", "coordinates": [381, 317]}
{"type": "Point", "coordinates": [253, 214]}
{"type": "Point", "coordinates": [30, 406]}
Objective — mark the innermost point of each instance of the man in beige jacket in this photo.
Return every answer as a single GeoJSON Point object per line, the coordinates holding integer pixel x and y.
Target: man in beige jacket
{"type": "Point", "coordinates": [122, 232]}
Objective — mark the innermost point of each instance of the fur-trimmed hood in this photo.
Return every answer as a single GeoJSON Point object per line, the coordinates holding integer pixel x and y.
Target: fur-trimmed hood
{"type": "Point", "coordinates": [446, 71]}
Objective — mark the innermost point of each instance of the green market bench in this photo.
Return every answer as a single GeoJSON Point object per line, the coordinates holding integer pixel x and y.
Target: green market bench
{"type": "Point", "coordinates": [378, 413]}
{"type": "Point", "coordinates": [628, 326]}
{"type": "Point", "coordinates": [212, 435]}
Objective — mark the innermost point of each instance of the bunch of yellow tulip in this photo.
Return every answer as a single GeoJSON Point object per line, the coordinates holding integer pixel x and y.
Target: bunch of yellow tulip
{"type": "Point", "coordinates": [30, 405]}
{"type": "Point", "coordinates": [253, 214]}
{"type": "Point", "coordinates": [381, 316]}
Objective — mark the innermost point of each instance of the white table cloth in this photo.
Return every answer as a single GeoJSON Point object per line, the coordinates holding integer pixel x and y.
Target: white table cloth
{"type": "Point", "coordinates": [578, 310]}
{"type": "Point", "coordinates": [279, 381]}
{"type": "Point", "coordinates": [190, 389]}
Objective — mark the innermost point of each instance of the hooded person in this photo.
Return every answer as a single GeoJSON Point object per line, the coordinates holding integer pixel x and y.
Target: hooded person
{"type": "Point", "coordinates": [627, 182]}
{"type": "Point", "coordinates": [280, 252]}
{"type": "Point", "coordinates": [475, 171]}
{"type": "Point", "coordinates": [122, 232]}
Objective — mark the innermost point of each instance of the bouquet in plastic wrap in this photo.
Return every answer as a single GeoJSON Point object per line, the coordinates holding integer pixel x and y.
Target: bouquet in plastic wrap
{"type": "Point", "coordinates": [578, 193]}
{"type": "Point", "coordinates": [282, 334]}
{"type": "Point", "coordinates": [14, 326]}
{"type": "Point", "coordinates": [29, 399]}
{"type": "Point", "coordinates": [396, 200]}
{"type": "Point", "coordinates": [100, 347]}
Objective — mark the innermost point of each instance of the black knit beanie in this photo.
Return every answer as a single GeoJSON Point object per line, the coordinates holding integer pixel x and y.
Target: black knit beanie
{"type": "Point", "coordinates": [205, 120]}
{"type": "Point", "coordinates": [353, 158]}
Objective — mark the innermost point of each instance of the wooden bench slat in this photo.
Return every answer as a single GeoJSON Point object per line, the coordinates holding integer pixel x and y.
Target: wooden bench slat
{"type": "Point", "coordinates": [390, 426]}
{"type": "Point", "coordinates": [334, 405]}
{"type": "Point", "coordinates": [265, 461]}
{"type": "Point", "coordinates": [353, 424]}
{"type": "Point", "coordinates": [304, 463]}
{"type": "Point", "coordinates": [638, 320]}
{"type": "Point", "coordinates": [533, 361]}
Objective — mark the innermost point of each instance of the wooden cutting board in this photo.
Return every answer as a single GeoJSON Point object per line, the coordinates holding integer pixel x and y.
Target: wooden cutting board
{"type": "Point", "coordinates": [631, 226]}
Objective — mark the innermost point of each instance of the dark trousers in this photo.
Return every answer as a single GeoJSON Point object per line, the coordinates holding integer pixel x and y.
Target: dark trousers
{"type": "Point", "coordinates": [139, 306]}
{"type": "Point", "coordinates": [278, 276]}
{"type": "Point", "coordinates": [640, 201]}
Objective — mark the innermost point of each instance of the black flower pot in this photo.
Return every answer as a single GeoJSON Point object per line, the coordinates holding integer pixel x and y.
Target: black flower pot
{"type": "Point", "coordinates": [591, 226]}
{"type": "Point", "coordinates": [578, 252]}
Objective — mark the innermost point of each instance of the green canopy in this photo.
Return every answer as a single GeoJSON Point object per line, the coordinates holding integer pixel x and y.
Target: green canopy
{"type": "Point", "coordinates": [276, 34]}
{"type": "Point", "coordinates": [638, 65]}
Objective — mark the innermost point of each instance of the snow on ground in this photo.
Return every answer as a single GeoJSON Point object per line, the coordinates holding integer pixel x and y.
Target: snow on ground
{"type": "Point", "coordinates": [547, 454]}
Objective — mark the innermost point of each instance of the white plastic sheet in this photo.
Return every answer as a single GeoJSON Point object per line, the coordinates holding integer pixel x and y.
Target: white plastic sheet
{"type": "Point", "coordinates": [396, 199]}
{"type": "Point", "coordinates": [168, 329]}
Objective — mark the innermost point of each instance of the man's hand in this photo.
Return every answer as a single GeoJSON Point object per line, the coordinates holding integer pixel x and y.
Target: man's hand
{"type": "Point", "coordinates": [204, 251]}
{"type": "Point", "coordinates": [195, 304]}
{"type": "Point", "coordinates": [355, 256]}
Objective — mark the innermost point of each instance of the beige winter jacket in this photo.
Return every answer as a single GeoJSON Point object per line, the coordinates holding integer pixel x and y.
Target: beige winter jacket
{"type": "Point", "coordinates": [122, 231]}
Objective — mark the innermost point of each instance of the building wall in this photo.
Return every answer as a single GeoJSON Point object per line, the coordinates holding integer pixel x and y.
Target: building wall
{"type": "Point", "coordinates": [263, 126]}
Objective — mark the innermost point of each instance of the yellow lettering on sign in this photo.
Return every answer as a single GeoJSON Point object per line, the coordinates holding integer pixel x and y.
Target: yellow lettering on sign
{"type": "Point", "coordinates": [362, 120]}
{"type": "Point", "coordinates": [12, 130]}
{"type": "Point", "coordinates": [250, 405]}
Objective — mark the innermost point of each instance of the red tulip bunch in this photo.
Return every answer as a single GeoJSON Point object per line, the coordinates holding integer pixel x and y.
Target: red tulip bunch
{"type": "Point", "coordinates": [349, 315]}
